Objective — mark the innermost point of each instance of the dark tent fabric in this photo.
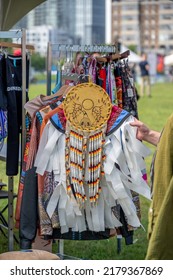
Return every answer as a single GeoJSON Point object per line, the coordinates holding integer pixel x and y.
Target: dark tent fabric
{"type": "Point", "coordinates": [11, 11]}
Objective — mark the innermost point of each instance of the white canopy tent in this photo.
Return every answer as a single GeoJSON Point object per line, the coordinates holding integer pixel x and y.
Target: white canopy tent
{"type": "Point", "coordinates": [168, 60]}
{"type": "Point", "coordinates": [133, 57]}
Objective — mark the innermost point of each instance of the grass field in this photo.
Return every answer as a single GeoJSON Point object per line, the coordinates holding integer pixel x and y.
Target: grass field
{"type": "Point", "coordinates": [154, 112]}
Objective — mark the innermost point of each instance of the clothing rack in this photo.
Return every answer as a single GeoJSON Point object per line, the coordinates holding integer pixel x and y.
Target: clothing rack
{"type": "Point", "coordinates": [110, 49]}
{"type": "Point", "coordinates": [113, 54]}
{"type": "Point", "coordinates": [17, 34]}
{"type": "Point", "coordinates": [83, 48]}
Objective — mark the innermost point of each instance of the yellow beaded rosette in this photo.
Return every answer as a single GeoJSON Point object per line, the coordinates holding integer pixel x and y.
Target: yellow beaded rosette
{"type": "Point", "coordinates": [87, 108]}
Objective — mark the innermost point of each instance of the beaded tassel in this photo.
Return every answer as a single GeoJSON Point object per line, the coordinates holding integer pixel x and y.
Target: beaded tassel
{"type": "Point", "coordinates": [69, 190]}
{"type": "Point", "coordinates": [95, 151]}
{"type": "Point", "coordinates": [76, 165]}
{"type": "Point", "coordinates": [84, 151]}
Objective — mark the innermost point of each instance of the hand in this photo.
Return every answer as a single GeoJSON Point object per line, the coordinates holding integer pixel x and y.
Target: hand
{"type": "Point", "coordinates": [145, 133]}
{"type": "Point", "coordinates": [142, 129]}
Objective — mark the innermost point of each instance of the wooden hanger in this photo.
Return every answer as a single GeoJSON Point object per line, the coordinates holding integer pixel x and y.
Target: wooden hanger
{"type": "Point", "coordinates": [108, 58]}
{"type": "Point", "coordinates": [15, 45]}
{"type": "Point", "coordinates": [125, 54]}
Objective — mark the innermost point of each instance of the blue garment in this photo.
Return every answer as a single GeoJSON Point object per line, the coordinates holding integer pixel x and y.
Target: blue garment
{"type": "Point", "coordinates": [3, 127]}
{"type": "Point", "coordinates": [144, 71]}
{"type": "Point", "coordinates": [58, 82]}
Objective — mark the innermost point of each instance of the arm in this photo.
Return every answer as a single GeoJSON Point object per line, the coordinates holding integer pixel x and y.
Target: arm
{"type": "Point", "coordinates": [145, 133]}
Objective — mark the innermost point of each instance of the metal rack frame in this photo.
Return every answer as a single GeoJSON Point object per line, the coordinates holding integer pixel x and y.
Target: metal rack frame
{"type": "Point", "coordinates": [73, 48]}
{"type": "Point", "coordinates": [18, 34]}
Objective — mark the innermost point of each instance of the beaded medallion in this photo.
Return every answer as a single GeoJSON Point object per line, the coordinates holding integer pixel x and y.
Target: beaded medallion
{"type": "Point", "coordinates": [87, 108]}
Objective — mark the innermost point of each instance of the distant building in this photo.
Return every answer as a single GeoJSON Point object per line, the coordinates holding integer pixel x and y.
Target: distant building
{"type": "Point", "coordinates": [145, 24]}
{"type": "Point", "coordinates": [39, 36]}
{"type": "Point", "coordinates": [90, 21]}
{"type": "Point", "coordinates": [83, 21]}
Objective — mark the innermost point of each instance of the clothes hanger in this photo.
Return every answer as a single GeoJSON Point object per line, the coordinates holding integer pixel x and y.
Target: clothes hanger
{"type": "Point", "coordinates": [59, 93]}
{"type": "Point", "coordinates": [70, 76]}
{"type": "Point", "coordinates": [115, 56]}
{"type": "Point", "coordinates": [65, 88]}
{"type": "Point", "coordinates": [125, 54]}
{"type": "Point", "coordinates": [3, 52]}
{"type": "Point", "coordinates": [15, 45]}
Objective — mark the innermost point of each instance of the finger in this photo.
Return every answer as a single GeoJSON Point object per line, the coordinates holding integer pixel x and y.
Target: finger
{"type": "Point", "coordinates": [135, 123]}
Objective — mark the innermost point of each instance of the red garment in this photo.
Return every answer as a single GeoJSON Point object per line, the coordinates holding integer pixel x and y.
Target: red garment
{"type": "Point", "coordinates": [102, 75]}
{"type": "Point", "coordinates": [119, 89]}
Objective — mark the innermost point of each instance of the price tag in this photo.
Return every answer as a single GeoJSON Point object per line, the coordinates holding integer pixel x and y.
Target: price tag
{"type": "Point", "coordinates": [130, 92]}
{"type": "Point", "coordinates": [131, 81]}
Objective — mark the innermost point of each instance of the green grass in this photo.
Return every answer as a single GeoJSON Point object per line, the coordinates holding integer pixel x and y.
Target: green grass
{"type": "Point", "coordinates": [154, 112]}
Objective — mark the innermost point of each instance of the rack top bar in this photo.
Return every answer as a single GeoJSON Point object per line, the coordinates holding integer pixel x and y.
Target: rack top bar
{"type": "Point", "coordinates": [84, 48]}
{"type": "Point", "coordinates": [11, 34]}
